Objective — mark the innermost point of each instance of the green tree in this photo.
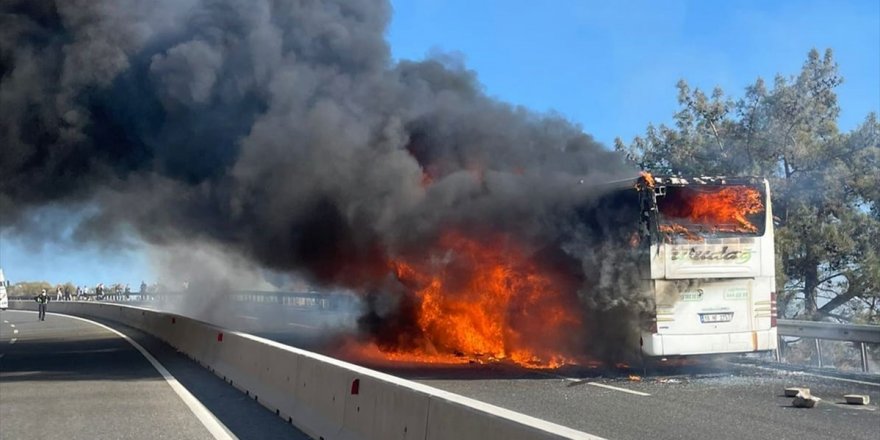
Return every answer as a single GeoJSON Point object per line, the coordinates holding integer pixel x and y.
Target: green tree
{"type": "Point", "coordinates": [30, 288]}
{"type": "Point", "coordinates": [826, 184]}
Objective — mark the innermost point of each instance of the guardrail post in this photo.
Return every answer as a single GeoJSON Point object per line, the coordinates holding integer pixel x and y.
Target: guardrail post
{"type": "Point", "coordinates": [780, 348]}
{"type": "Point", "coordinates": [818, 353]}
{"type": "Point", "coordinates": [863, 349]}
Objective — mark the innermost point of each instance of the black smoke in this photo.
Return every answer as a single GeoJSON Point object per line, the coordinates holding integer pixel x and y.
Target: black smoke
{"type": "Point", "coordinates": [281, 130]}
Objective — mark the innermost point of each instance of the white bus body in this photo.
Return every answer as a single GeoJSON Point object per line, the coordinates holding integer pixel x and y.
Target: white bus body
{"type": "Point", "coordinates": [714, 290]}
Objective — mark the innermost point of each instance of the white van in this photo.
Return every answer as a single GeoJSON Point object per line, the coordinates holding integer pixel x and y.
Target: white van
{"type": "Point", "coordinates": [4, 300]}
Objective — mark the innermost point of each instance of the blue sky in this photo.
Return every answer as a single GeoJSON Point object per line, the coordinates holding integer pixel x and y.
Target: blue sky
{"type": "Point", "coordinates": [610, 68]}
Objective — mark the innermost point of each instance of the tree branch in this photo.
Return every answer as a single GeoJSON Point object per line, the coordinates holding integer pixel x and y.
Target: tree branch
{"type": "Point", "coordinates": [717, 137]}
{"type": "Point", "coordinates": [835, 275]}
{"type": "Point", "coordinates": [837, 302]}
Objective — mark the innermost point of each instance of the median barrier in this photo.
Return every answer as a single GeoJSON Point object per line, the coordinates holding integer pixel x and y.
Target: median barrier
{"type": "Point", "coordinates": [402, 410]}
{"type": "Point", "coordinates": [321, 397]}
{"type": "Point", "coordinates": [281, 371]}
{"type": "Point", "coordinates": [324, 397]}
{"type": "Point", "coordinates": [243, 362]}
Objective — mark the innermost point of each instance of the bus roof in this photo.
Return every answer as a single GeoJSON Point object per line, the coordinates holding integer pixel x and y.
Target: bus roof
{"type": "Point", "coordinates": [706, 180]}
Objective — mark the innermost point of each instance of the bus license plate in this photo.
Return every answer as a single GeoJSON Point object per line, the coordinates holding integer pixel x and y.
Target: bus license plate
{"type": "Point", "coordinates": [710, 318]}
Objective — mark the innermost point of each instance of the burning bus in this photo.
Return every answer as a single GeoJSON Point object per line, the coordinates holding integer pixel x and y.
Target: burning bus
{"type": "Point", "coordinates": [654, 265]}
{"type": "Point", "coordinates": [707, 244]}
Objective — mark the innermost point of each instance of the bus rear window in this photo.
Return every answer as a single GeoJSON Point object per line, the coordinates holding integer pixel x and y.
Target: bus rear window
{"type": "Point", "coordinates": [699, 210]}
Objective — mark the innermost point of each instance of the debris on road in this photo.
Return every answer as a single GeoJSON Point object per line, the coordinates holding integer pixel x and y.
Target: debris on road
{"type": "Point", "coordinates": [669, 380]}
{"type": "Point", "coordinates": [857, 399]}
{"type": "Point", "coordinates": [793, 391]}
{"type": "Point", "coordinates": [634, 378]}
{"type": "Point", "coordinates": [803, 399]}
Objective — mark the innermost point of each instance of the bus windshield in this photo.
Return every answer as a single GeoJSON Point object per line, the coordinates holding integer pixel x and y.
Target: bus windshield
{"type": "Point", "coordinates": [696, 211]}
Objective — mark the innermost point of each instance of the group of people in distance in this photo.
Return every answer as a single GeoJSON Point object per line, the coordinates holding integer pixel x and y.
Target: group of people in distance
{"type": "Point", "coordinates": [63, 293]}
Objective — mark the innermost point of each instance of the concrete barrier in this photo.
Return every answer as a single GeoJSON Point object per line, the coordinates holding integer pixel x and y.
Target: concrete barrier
{"type": "Point", "coordinates": [324, 397]}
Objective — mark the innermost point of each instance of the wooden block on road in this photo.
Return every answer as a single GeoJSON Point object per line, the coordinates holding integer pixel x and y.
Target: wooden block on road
{"type": "Point", "coordinates": [793, 391]}
{"type": "Point", "coordinates": [857, 399]}
{"type": "Point", "coordinates": [805, 400]}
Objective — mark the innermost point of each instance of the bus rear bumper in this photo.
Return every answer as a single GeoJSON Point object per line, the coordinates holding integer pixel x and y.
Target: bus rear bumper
{"type": "Point", "coordinates": [657, 344]}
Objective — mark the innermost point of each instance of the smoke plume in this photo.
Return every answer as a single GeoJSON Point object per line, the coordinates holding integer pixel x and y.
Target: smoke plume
{"type": "Point", "coordinates": [284, 132]}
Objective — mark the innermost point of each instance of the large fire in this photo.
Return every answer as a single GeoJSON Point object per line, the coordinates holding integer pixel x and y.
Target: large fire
{"type": "Point", "coordinates": [726, 209]}
{"type": "Point", "coordinates": [486, 301]}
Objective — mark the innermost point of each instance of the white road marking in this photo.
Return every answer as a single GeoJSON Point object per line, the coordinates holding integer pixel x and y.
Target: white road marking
{"type": "Point", "coordinates": [253, 318]}
{"type": "Point", "coordinates": [15, 332]}
{"type": "Point", "coordinates": [5, 321]}
{"type": "Point", "coordinates": [217, 429]}
{"type": "Point", "coordinates": [623, 390]}
{"type": "Point", "coordinates": [12, 341]}
{"type": "Point", "coordinates": [804, 373]}
{"type": "Point", "coordinates": [12, 325]}
{"type": "Point", "coordinates": [301, 325]}
{"type": "Point", "coordinates": [597, 384]}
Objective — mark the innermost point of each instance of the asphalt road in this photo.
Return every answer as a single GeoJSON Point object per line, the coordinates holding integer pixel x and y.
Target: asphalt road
{"type": "Point", "coordinates": [65, 378]}
{"type": "Point", "coordinates": [714, 400]}
{"type": "Point", "coordinates": [707, 403]}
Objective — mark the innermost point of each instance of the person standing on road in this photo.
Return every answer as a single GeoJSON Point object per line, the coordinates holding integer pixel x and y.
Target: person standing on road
{"type": "Point", "coordinates": [42, 300]}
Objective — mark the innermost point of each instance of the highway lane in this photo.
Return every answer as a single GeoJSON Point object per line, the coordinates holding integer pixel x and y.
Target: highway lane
{"type": "Point", "coordinates": [709, 401]}
{"type": "Point", "coordinates": [301, 327]}
{"type": "Point", "coordinates": [67, 378]}
{"type": "Point", "coordinates": [735, 404]}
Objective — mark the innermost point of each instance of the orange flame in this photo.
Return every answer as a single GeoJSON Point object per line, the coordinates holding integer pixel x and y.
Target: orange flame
{"type": "Point", "coordinates": [483, 302]}
{"type": "Point", "coordinates": [680, 230]}
{"type": "Point", "coordinates": [718, 209]}
{"type": "Point", "coordinates": [649, 179]}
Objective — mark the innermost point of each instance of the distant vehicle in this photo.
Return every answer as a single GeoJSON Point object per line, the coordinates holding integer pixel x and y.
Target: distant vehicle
{"type": "Point", "coordinates": [705, 248]}
{"type": "Point", "coordinates": [4, 299]}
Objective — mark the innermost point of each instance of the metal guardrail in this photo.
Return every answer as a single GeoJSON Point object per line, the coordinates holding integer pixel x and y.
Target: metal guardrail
{"type": "Point", "coordinates": [304, 300]}
{"type": "Point", "coordinates": [830, 331]}
{"type": "Point", "coordinates": [859, 334]}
